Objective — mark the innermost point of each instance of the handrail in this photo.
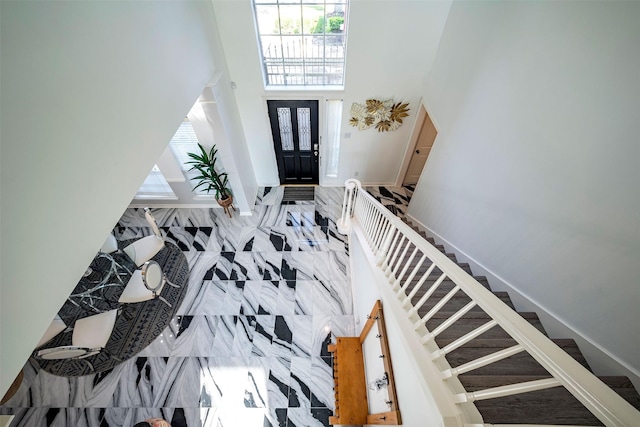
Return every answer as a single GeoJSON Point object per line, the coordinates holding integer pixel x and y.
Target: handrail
{"type": "Point", "coordinates": [390, 240]}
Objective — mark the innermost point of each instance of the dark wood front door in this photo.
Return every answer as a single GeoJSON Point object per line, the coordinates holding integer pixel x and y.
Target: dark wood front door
{"type": "Point", "coordinates": [294, 125]}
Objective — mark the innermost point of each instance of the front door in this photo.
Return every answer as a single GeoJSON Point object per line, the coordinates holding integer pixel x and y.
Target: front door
{"type": "Point", "coordinates": [294, 125]}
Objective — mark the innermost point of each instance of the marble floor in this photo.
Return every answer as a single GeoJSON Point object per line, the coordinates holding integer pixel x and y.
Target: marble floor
{"type": "Point", "coordinates": [267, 293]}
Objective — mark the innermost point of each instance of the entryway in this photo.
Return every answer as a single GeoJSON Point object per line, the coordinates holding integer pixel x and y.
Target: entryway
{"type": "Point", "coordinates": [294, 125]}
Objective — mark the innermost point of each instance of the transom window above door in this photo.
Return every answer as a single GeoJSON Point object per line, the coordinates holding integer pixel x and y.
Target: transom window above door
{"type": "Point", "coordinates": [302, 42]}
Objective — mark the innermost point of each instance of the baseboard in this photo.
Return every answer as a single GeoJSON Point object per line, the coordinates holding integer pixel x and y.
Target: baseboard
{"type": "Point", "coordinates": [378, 184]}
{"type": "Point", "coordinates": [601, 361]}
{"type": "Point", "coordinates": [174, 206]}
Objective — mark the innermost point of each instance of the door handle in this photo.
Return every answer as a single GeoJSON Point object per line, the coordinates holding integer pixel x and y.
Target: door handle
{"type": "Point", "coordinates": [417, 151]}
{"type": "Point", "coordinates": [315, 153]}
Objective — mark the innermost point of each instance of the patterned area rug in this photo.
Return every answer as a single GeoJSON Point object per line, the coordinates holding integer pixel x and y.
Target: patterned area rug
{"type": "Point", "coordinates": [137, 325]}
{"type": "Point", "coordinates": [296, 194]}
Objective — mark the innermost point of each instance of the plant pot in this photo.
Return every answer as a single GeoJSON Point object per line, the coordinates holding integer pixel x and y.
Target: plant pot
{"type": "Point", "coordinates": [227, 204]}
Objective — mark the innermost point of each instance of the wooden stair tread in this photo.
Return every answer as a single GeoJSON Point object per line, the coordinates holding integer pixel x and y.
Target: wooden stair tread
{"type": "Point", "coordinates": [519, 364]}
{"type": "Point", "coordinates": [446, 284]}
{"type": "Point", "coordinates": [455, 303]}
{"type": "Point", "coordinates": [547, 401]}
{"type": "Point", "coordinates": [624, 387]}
{"type": "Point", "coordinates": [471, 321]}
{"type": "Point", "coordinates": [551, 406]}
{"type": "Point", "coordinates": [481, 347]}
{"type": "Point", "coordinates": [436, 273]}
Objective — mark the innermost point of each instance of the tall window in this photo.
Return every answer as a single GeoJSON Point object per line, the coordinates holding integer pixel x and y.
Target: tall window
{"type": "Point", "coordinates": [155, 186]}
{"type": "Point", "coordinates": [183, 142]}
{"type": "Point", "coordinates": [334, 125]}
{"type": "Point", "coordinates": [303, 42]}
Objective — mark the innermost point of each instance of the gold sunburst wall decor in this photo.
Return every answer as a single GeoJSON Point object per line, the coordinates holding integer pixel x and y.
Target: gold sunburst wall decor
{"type": "Point", "coordinates": [384, 115]}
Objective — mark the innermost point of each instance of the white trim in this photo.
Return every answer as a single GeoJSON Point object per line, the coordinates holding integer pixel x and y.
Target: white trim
{"type": "Point", "coordinates": [186, 206]}
{"type": "Point", "coordinates": [214, 79]}
{"type": "Point", "coordinates": [320, 98]}
{"type": "Point", "coordinates": [413, 141]}
{"type": "Point", "coordinates": [5, 420]}
{"type": "Point", "coordinates": [175, 205]}
{"type": "Point", "coordinates": [300, 88]}
{"type": "Point", "coordinates": [152, 197]}
{"type": "Point", "coordinates": [600, 360]}
{"type": "Point", "coordinates": [386, 184]}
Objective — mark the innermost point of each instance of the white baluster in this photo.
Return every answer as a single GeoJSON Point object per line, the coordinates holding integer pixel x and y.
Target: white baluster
{"type": "Point", "coordinates": [483, 361]}
{"type": "Point", "coordinates": [507, 390]}
{"type": "Point", "coordinates": [386, 243]}
{"type": "Point", "coordinates": [350, 192]}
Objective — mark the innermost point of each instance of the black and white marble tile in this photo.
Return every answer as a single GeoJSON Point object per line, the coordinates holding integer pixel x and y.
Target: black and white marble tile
{"type": "Point", "coordinates": [274, 216]}
{"type": "Point", "coordinates": [231, 239]}
{"type": "Point", "coordinates": [269, 264]}
{"type": "Point", "coordinates": [263, 336]}
{"type": "Point", "coordinates": [248, 347]}
{"type": "Point", "coordinates": [332, 297]}
{"type": "Point", "coordinates": [270, 196]}
{"type": "Point", "coordinates": [304, 297]}
{"type": "Point", "coordinates": [225, 336]}
{"type": "Point", "coordinates": [300, 392]}
{"type": "Point", "coordinates": [301, 216]}
{"type": "Point", "coordinates": [297, 266]}
{"type": "Point", "coordinates": [243, 339]}
{"type": "Point", "coordinates": [187, 238]}
{"type": "Point", "coordinates": [195, 335]}
{"type": "Point", "coordinates": [245, 267]}
{"type": "Point", "coordinates": [302, 336]}
{"type": "Point", "coordinates": [268, 300]}
{"type": "Point", "coordinates": [329, 195]}
{"type": "Point", "coordinates": [250, 304]}
{"type": "Point", "coordinates": [286, 297]}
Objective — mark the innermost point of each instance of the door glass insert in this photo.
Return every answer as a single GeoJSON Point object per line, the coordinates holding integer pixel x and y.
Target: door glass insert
{"type": "Point", "coordinates": [304, 128]}
{"type": "Point", "coordinates": [286, 133]}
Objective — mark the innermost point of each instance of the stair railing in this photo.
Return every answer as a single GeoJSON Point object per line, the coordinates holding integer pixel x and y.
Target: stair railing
{"type": "Point", "coordinates": [408, 261]}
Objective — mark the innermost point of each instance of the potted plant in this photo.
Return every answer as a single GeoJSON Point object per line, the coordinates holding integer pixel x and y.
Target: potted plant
{"type": "Point", "coordinates": [205, 163]}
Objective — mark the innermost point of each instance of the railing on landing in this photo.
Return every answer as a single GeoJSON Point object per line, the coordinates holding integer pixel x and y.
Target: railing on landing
{"type": "Point", "coordinates": [391, 242]}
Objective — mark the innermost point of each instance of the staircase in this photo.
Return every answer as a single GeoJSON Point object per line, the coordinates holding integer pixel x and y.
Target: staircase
{"type": "Point", "coordinates": [550, 406]}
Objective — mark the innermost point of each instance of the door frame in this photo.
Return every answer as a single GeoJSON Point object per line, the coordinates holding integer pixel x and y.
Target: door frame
{"type": "Point", "coordinates": [312, 155]}
{"type": "Point", "coordinates": [423, 110]}
{"type": "Point", "coordinates": [297, 96]}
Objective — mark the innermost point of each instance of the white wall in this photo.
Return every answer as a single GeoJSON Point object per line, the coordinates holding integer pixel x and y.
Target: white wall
{"type": "Point", "coordinates": [391, 45]}
{"type": "Point", "coordinates": [534, 173]}
{"type": "Point", "coordinates": [91, 94]}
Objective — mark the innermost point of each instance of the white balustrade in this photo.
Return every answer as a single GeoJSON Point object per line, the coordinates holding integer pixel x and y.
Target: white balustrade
{"type": "Point", "coordinates": [395, 246]}
{"type": "Point", "coordinates": [351, 187]}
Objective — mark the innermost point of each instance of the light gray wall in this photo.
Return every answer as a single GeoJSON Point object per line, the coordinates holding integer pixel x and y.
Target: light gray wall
{"type": "Point", "coordinates": [391, 45]}
{"type": "Point", "coordinates": [91, 94]}
{"type": "Point", "coordinates": [534, 173]}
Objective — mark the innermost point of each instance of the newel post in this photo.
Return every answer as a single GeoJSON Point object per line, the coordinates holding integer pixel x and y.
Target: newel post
{"type": "Point", "coordinates": [351, 188]}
